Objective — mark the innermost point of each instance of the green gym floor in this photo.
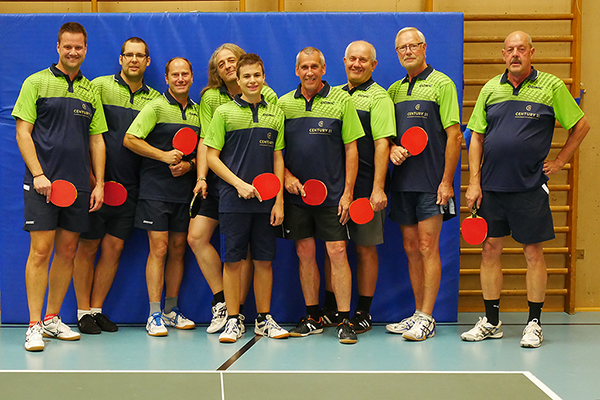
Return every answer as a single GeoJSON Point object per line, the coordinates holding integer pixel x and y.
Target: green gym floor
{"type": "Point", "coordinates": [194, 365]}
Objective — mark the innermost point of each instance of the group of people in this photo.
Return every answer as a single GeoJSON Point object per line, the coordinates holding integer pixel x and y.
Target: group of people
{"type": "Point", "coordinates": [344, 136]}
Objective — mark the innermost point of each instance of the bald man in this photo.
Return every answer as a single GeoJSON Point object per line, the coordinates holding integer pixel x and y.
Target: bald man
{"type": "Point", "coordinates": [512, 127]}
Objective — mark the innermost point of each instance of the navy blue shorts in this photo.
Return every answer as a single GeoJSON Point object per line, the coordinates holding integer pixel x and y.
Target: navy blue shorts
{"type": "Point", "coordinates": [116, 221]}
{"type": "Point", "coordinates": [162, 216]}
{"type": "Point", "coordinates": [240, 230]}
{"type": "Point", "coordinates": [302, 222]}
{"type": "Point", "coordinates": [42, 216]}
{"type": "Point", "coordinates": [526, 215]}
{"type": "Point", "coordinates": [409, 208]}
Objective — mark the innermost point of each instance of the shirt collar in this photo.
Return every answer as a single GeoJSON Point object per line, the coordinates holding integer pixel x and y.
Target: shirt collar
{"type": "Point", "coordinates": [532, 75]}
{"type": "Point", "coordinates": [324, 92]}
{"type": "Point", "coordinates": [173, 100]}
{"type": "Point", "coordinates": [363, 86]}
{"type": "Point", "coordinates": [422, 75]}
{"type": "Point", "coordinates": [243, 103]}
{"type": "Point", "coordinates": [119, 79]}
{"type": "Point", "coordinates": [57, 72]}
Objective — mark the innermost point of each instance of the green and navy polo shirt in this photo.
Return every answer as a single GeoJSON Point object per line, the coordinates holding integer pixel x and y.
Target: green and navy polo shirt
{"type": "Point", "coordinates": [430, 102]}
{"type": "Point", "coordinates": [315, 134]}
{"type": "Point", "coordinates": [64, 114]}
{"type": "Point", "coordinates": [376, 112]}
{"type": "Point", "coordinates": [157, 123]}
{"type": "Point", "coordinates": [247, 136]}
{"type": "Point", "coordinates": [121, 106]}
{"type": "Point", "coordinates": [518, 124]}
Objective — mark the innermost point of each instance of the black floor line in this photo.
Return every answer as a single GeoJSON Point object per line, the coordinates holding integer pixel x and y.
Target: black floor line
{"type": "Point", "coordinates": [239, 353]}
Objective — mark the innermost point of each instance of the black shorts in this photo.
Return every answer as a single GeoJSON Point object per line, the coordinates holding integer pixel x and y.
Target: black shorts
{"type": "Point", "coordinates": [239, 230]}
{"type": "Point", "coordinates": [116, 221]}
{"type": "Point", "coordinates": [526, 215]}
{"type": "Point", "coordinates": [209, 207]}
{"type": "Point", "coordinates": [161, 216]}
{"type": "Point", "coordinates": [369, 234]}
{"type": "Point", "coordinates": [42, 216]}
{"type": "Point", "coordinates": [301, 222]}
{"type": "Point", "coordinates": [409, 208]}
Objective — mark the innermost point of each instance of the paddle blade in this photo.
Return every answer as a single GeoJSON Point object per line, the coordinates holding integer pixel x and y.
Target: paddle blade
{"type": "Point", "coordinates": [267, 184]}
{"type": "Point", "coordinates": [185, 140]}
{"type": "Point", "coordinates": [195, 205]}
{"type": "Point", "coordinates": [63, 193]}
{"type": "Point", "coordinates": [115, 194]}
{"type": "Point", "coordinates": [361, 211]}
{"type": "Point", "coordinates": [316, 192]}
{"type": "Point", "coordinates": [414, 140]}
{"type": "Point", "coordinates": [474, 230]}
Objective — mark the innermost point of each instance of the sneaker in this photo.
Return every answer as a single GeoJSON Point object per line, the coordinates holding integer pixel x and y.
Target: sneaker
{"type": "Point", "coordinates": [483, 330]}
{"type": "Point", "coordinates": [156, 326]}
{"type": "Point", "coordinates": [176, 318]}
{"type": "Point", "coordinates": [55, 328]}
{"type": "Point", "coordinates": [307, 326]}
{"type": "Point", "coordinates": [404, 325]}
{"type": "Point", "coordinates": [532, 334]}
{"type": "Point", "coordinates": [232, 331]}
{"type": "Point", "coordinates": [345, 332]}
{"type": "Point", "coordinates": [241, 320]}
{"type": "Point", "coordinates": [33, 338]}
{"type": "Point", "coordinates": [88, 326]}
{"type": "Point", "coordinates": [105, 323]}
{"type": "Point", "coordinates": [330, 317]}
{"type": "Point", "coordinates": [362, 322]}
{"type": "Point", "coordinates": [219, 318]}
{"type": "Point", "coordinates": [424, 328]}
{"type": "Point", "coordinates": [270, 328]}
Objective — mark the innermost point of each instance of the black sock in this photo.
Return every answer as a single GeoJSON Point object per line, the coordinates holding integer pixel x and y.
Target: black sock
{"type": "Point", "coordinates": [535, 311]}
{"type": "Point", "coordinates": [241, 308]}
{"type": "Point", "coordinates": [260, 317]}
{"type": "Point", "coordinates": [313, 311]}
{"type": "Point", "coordinates": [218, 298]}
{"type": "Point", "coordinates": [232, 317]}
{"type": "Point", "coordinates": [492, 311]}
{"type": "Point", "coordinates": [330, 302]}
{"type": "Point", "coordinates": [364, 304]}
{"type": "Point", "coordinates": [344, 314]}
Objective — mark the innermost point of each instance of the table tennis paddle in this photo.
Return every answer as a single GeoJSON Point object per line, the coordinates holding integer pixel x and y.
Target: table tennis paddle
{"type": "Point", "coordinates": [361, 211]}
{"type": "Point", "coordinates": [195, 205]}
{"type": "Point", "coordinates": [414, 140]}
{"type": "Point", "coordinates": [115, 194]}
{"type": "Point", "coordinates": [316, 192]}
{"type": "Point", "coordinates": [63, 193]}
{"type": "Point", "coordinates": [474, 228]}
{"type": "Point", "coordinates": [267, 185]}
{"type": "Point", "coordinates": [185, 140]}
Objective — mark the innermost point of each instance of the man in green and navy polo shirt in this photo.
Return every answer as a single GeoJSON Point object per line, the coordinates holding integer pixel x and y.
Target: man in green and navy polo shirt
{"type": "Point", "coordinates": [166, 183]}
{"type": "Point", "coordinates": [422, 186]}
{"type": "Point", "coordinates": [245, 139]}
{"type": "Point", "coordinates": [376, 112]}
{"type": "Point", "coordinates": [60, 122]}
{"type": "Point", "coordinates": [123, 96]}
{"type": "Point", "coordinates": [321, 129]}
{"type": "Point", "coordinates": [512, 127]}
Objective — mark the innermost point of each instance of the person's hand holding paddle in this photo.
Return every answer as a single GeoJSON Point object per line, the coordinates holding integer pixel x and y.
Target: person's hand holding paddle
{"type": "Point", "coordinates": [398, 154]}
{"type": "Point", "coordinates": [172, 157]}
{"type": "Point", "coordinates": [247, 191]}
{"type": "Point", "coordinates": [378, 199]}
{"type": "Point", "coordinates": [293, 184]}
{"type": "Point", "coordinates": [42, 186]}
{"type": "Point", "coordinates": [201, 187]}
{"type": "Point", "coordinates": [473, 195]}
{"type": "Point", "coordinates": [181, 168]}
{"type": "Point", "coordinates": [444, 193]}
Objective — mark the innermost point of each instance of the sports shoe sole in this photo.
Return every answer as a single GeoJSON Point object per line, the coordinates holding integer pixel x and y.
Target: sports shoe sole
{"type": "Point", "coordinates": [227, 340]}
{"type": "Point", "coordinates": [348, 341]}
{"type": "Point", "coordinates": [185, 327]}
{"type": "Point", "coordinates": [34, 348]}
{"type": "Point", "coordinates": [159, 334]}
{"type": "Point", "coordinates": [472, 339]}
{"type": "Point", "coordinates": [70, 339]}
{"type": "Point", "coordinates": [415, 339]}
{"type": "Point", "coordinates": [359, 331]}
{"type": "Point", "coordinates": [316, 331]}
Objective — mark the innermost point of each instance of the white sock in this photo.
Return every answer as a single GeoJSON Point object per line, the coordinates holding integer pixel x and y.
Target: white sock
{"type": "Point", "coordinates": [81, 313]}
{"type": "Point", "coordinates": [96, 310]}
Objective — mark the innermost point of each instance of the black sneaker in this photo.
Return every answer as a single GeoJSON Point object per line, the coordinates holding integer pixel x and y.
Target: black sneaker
{"type": "Point", "coordinates": [87, 325]}
{"type": "Point", "coordinates": [330, 317]}
{"type": "Point", "coordinates": [346, 333]}
{"type": "Point", "coordinates": [307, 326]}
{"type": "Point", "coordinates": [105, 323]}
{"type": "Point", "coordinates": [362, 322]}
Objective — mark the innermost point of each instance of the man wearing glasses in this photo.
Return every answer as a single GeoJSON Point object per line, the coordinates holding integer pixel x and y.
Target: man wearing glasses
{"type": "Point", "coordinates": [422, 193]}
{"type": "Point", "coordinates": [123, 95]}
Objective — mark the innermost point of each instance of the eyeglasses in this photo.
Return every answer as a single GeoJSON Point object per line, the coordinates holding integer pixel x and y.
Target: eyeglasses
{"type": "Point", "coordinates": [138, 56]}
{"type": "Point", "coordinates": [411, 46]}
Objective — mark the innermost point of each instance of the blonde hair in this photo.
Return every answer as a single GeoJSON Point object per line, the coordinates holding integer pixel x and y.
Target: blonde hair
{"type": "Point", "coordinates": [214, 79]}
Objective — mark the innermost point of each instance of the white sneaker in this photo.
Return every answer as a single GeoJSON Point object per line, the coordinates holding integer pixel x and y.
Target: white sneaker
{"type": "Point", "coordinates": [483, 330]}
{"type": "Point", "coordinates": [156, 326]}
{"type": "Point", "coordinates": [232, 331]}
{"type": "Point", "coordinates": [270, 328]}
{"type": "Point", "coordinates": [177, 319]}
{"type": "Point", "coordinates": [424, 328]}
{"type": "Point", "coordinates": [55, 328]}
{"type": "Point", "coordinates": [532, 334]}
{"type": "Point", "coordinates": [404, 325]}
{"type": "Point", "coordinates": [33, 338]}
{"type": "Point", "coordinates": [219, 318]}
{"type": "Point", "coordinates": [241, 320]}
